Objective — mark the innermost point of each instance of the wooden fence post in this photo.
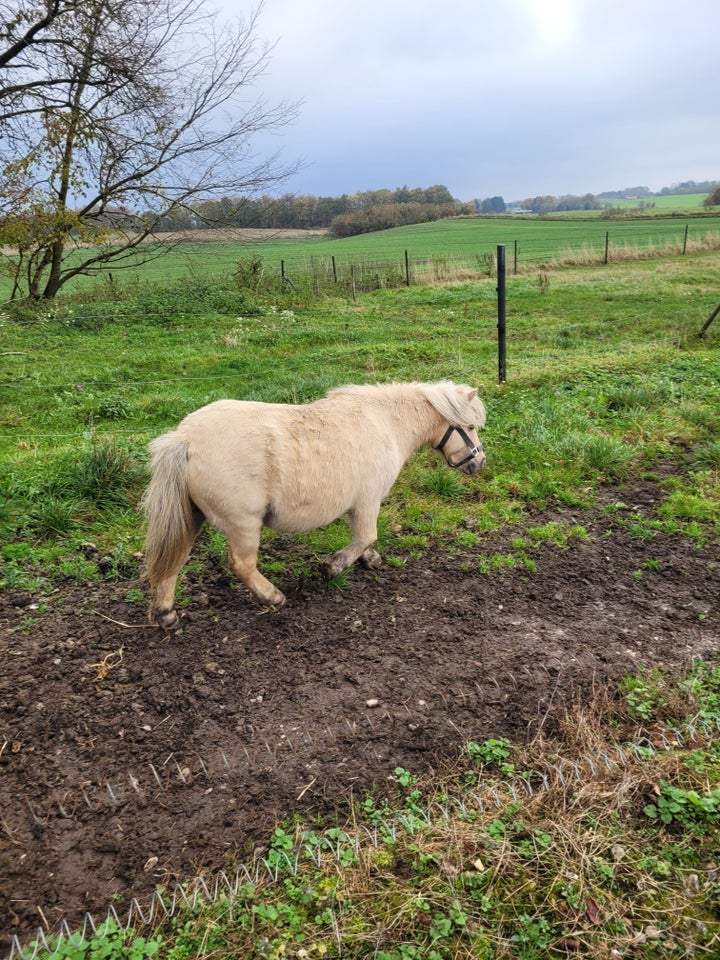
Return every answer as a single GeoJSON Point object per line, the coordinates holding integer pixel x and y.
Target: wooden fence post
{"type": "Point", "coordinates": [407, 270]}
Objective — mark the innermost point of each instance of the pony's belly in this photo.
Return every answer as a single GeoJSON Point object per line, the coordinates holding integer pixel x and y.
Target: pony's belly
{"type": "Point", "coordinates": [301, 518]}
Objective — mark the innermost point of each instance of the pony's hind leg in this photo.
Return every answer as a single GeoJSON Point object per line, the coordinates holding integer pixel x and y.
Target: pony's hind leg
{"type": "Point", "coordinates": [242, 556]}
{"type": "Point", "coordinates": [162, 604]}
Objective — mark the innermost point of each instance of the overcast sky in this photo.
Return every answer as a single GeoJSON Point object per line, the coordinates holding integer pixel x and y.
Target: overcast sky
{"type": "Point", "coordinates": [495, 97]}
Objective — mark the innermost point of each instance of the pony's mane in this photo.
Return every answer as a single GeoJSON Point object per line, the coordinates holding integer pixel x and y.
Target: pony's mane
{"type": "Point", "coordinates": [457, 403]}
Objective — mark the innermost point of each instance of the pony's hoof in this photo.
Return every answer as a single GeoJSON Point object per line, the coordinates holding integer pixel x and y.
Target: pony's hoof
{"type": "Point", "coordinates": [166, 619]}
{"type": "Point", "coordinates": [371, 560]}
{"type": "Point", "coordinates": [334, 565]}
{"type": "Point", "coordinates": [271, 601]}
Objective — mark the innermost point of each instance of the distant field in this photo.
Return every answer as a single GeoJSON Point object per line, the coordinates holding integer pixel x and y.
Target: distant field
{"type": "Point", "coordinates": [675, 202]}
{"type": "Point", "coordinates": [469, 244]}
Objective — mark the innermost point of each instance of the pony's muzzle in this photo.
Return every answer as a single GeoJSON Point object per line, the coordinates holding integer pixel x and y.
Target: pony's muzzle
{"type": "Point", "coordinates": [475, 465]}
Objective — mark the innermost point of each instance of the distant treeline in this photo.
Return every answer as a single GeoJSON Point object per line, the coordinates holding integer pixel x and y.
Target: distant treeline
{"type": "Point", "coordinates": [343, 216]}
{"type": "Point", "coordinates": [689, 186]}
{"type": "Point", "coordinates": [549, 204]}
{"type": "Point", "coordinates": [373, 210]}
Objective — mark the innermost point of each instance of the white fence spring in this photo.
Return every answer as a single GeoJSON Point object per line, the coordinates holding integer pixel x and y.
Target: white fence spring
{"type": "Point", "coordinates": [165, 904]}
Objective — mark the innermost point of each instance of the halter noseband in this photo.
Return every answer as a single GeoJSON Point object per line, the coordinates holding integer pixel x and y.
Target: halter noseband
{"type": "Point", "coordinates": [473, 450]}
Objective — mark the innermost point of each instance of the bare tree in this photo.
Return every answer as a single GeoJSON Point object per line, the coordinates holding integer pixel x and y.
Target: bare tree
{"type": "Point", "coordinates": [25, 25]}
{"type": "Point", "coordinates": [150, 108]}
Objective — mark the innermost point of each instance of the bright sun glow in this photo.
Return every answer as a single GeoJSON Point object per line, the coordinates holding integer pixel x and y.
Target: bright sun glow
{"type": "Point", "coordinates": [555, 19]}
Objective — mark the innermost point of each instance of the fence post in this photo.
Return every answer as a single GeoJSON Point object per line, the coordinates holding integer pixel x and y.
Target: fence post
{"type": "Point", "coordinates": [709, 320]}
{"type": "Point", "coordinates": [334, 269]}
{"type": "Point", "coordinates": [607, 245]}
{"type": "Point", "coordinates": [407, 270]}
{"type": "Point", "coordinates": [286, 281]}
{"type": "Point", "coordinates": [515, 257]}
{"type": "Point", "coordinates": [502, 351]}
{"type": "Point", "coordinates": [687, 227]}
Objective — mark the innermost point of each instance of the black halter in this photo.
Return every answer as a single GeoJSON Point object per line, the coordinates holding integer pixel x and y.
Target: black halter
{"type": "Point", "coordinates": [473, 450]}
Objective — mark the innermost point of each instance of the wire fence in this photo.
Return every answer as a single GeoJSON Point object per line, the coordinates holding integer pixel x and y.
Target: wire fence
{"type": "Point", "coordinates": [95, 428]}
{"type": "Point", "coordinates": [360, 274]}
{"type": "Point", "coordinates": [583, 243]}
{"type": "Point", "coordinates": [90, 430]}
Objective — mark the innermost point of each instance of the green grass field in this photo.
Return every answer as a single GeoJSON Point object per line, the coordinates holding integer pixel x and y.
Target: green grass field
{"type": "Point", "coordinates": [606, 379]}
{"type": "Point", "coordinates": [599, 359]}
{"type": "Point", "coordinates": [670, 203]}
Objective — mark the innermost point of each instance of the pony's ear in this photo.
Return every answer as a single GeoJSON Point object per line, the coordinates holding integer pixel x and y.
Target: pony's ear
{"type": "Point", "coordinates": [472, 393]}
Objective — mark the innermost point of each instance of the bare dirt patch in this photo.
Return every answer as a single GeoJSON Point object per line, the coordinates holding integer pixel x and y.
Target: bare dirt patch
{"type": "Point", "coordinates": [231, 234]}
{"type": "Point", "coordinates": [120, 744]}
{"type": "Point", "coordinates": [211, 235]}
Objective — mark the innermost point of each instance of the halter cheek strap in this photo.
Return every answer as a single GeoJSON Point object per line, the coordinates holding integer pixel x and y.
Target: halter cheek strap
{"type": "Point", "coordinates": [473, 450]}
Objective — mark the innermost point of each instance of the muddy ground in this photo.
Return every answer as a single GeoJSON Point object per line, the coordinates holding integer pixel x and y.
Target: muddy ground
{"type": "Point", "coordinates": [130, 758]}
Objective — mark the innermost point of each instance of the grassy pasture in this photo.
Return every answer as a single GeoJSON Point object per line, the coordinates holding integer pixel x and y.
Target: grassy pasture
{"type": "Point", "coordinates": [605, 378]}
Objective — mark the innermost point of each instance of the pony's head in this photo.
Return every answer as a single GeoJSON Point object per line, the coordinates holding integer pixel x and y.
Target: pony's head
{"type": "Point", "coordinates": [463, 410]}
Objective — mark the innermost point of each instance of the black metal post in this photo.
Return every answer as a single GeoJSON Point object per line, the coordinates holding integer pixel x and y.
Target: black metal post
{"type": "Point", "coordinates": [502, 347]}
{"type": "Point", "coordinates": [407, 270]}
{"type": "Point", "coordinates": [709, 320]}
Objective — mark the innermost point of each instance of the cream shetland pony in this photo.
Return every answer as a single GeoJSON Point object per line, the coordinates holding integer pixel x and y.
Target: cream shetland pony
{"type": "Point", "coordinates": [242, 465]}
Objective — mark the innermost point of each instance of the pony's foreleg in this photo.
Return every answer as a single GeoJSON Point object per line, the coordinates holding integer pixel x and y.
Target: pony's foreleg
{"type": "Point", "coordinates": [363, 526]}
{"type": "Point", "coordinates": [242, 556]}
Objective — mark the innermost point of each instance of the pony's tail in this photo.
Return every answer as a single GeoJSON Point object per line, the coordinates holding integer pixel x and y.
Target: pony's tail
{"type": "Point", "coordinates": [168, 508]}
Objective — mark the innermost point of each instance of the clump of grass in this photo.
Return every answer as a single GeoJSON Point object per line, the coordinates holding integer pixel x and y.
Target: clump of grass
{"type": "Point", "coordinates": [557, 533]}
{"type": "Point", "coordinates": [445, 483]}
{"type": "Point", "coordinates": [706, 456]}
{"type": "Point", "coordinates": [96, 486]}
{"type": "Point", "coordinates": [114, 407]}
{"type": "Point", "coordinates": [635, 393]}
{"type": "Point", "coordinates": [52, 516]}
{"type": "Point", "coordinates": [598, 454]}
{"type": "Point", "coordinates": [103, 473]}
